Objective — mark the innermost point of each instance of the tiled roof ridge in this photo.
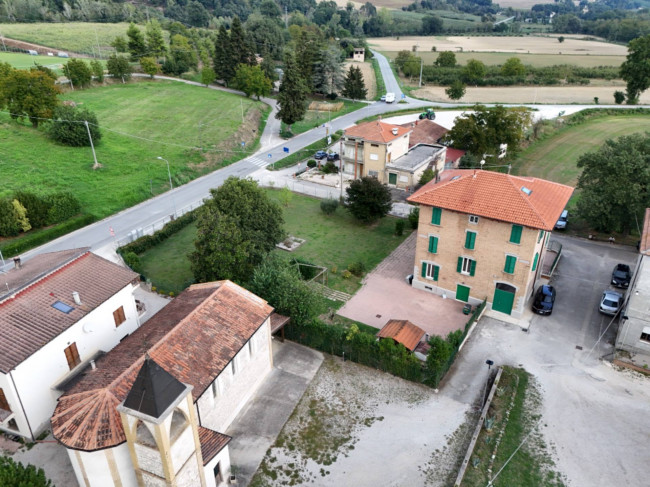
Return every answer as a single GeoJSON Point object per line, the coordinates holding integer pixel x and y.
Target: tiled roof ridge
{"type": "Point", "coordinates": [524, 198]}
{"type": "Point", "coordinates": [45, 277]}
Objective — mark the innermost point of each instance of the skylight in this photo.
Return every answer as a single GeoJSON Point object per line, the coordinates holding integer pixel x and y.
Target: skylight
{"type": "Point", "coordinates": [455, 178]}
{"type": "Point", "coordinates": [62, 307]}
{"type": "Point", "coordinates": [526, 190]}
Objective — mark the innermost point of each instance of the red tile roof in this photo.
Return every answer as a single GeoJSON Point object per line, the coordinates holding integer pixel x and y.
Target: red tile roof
{"type": "Point", "coordinates": [27, 319]}
{"type": "Point", "coordinates": [402, 331]}
{"type": "Point", "coordinates": [644, 245]}
{"type": "Point", "coordinates": [453, 154]}
{"type": "Point", "coordinates": [193, 338]}
{"type": "Point", "coordinates": [212, 443]}
{"type": "Point", "coordinates": [497, 196]}
{"type": "Point", "coordinates": [424, 132]}
{"type": "Point", "coordinates": [377, 131]}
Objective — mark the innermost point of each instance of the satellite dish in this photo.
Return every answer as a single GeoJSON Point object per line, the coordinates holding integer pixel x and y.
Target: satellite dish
{"type": "Point", "coordinates": [482, 162]}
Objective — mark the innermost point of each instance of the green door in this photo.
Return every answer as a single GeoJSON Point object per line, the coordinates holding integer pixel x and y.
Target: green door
{"type": "Point", "coordinates": [392, 178]}
{"type": "Point", "coordinates": [462, 293]}
{"type": "Point", "coordinates": [504, 297]}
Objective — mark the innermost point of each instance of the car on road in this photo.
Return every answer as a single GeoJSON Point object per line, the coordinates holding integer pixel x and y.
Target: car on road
{"type": "Point", "coordinates": [610, 303]}
{"type": "Point", "coordinates": [563, 220]}
{"type": "Point", "coordinates": [621, 275]}
{"type": "Point", "coordinates": [333, 156]}
{"type": "Point", "coordinates": [321, 154]}
{"type": "Point", "coordinates": [390, 97]}
{"type": "Point", "coordinates": [544, 300]}
{"type": "Point", "coordinates": [383, 98]}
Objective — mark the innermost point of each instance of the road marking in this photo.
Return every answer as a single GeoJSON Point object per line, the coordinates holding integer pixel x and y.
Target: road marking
{"type": "Point", "coordinates": [256, 161]}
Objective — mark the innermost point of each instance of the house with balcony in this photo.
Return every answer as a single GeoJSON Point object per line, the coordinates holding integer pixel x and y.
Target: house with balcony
{"type": "Point", "coordinates": [483, 235]}
{"type": "Point", "coordinates": [59, 312]}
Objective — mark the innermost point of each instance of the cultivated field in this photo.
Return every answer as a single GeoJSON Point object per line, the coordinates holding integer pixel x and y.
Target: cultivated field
{"type": "Point", "coordinates": [368, 76]}
{"type": "Point", "coordinates": [139, 121]}
{"type": "Point", "coordinates": [519, 45]}
{"type": "Point", "coordinates": [81, 37]}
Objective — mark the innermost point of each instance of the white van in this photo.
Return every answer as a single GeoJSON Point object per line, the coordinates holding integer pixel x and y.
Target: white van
{"type": "Point", "coordinates": [63, 54]}
{"type": "Point", "coordinates": [390, 97]}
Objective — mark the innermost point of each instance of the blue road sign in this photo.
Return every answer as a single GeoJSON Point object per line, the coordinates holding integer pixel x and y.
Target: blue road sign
{"type": "Point", "coordinates": [285, 149]}
{"type": "Point", "coordinates": [403, 96]}
{"type": "Point", "coordinates": [243, 143]}
{"type": "Point", "coordinates": [270, 156]}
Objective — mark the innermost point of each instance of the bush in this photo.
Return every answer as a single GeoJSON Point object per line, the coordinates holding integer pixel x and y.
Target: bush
{"type": "Point", "coordinates": [346, 274]}
{"type": "Point", "coordinates": [619, 97]}
{"type": "Point", "coordinates": [329, 206]}
{"type": "Point", "coordinates": [15, 474]}
{"type": "Point", "coordinates": [133, 261]}
{"type": "Point", "coordinates": [36, 207]}
{"type": "Point", "coordinates": [21, 216]}
{"type": "Point", "coordinates": [62, 206]}
{"type": "Point", "coordinates": [9, 225]}
{"type": "Point", "coordinates": [311, 163]}
{"type": "Point", "coordinates": [427, 176]}
{"type": "Point", "coordinates": [68, 127]}
{"type": "Point", "coordinates": [357, 268]}
{"type": "Point", "coordinates": [368, 199]}
{"type": "Point", "coordinates": [330, 168]}
{"type": "Point", "coordinates": [414, 217]}
{"type": "Point", "coordinates": [399, 227]}
{"type": "Point", "coordinates": [148, 241]}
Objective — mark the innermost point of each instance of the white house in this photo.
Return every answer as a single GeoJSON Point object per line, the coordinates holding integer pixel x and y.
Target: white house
{"type": "Point", "coordinates": [58, 312]}
{"type": "Point", "coordinates": [152, 409]}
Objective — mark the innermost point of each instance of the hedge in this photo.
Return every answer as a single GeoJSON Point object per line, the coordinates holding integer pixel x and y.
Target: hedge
{"type": "Point", "coordinates": [31, 240]}
{"type": "Point", "coordinates": [148, 241]}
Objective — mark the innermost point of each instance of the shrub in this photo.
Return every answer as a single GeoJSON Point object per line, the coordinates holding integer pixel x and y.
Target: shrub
{"type": "Point", "coordinates": [427, 176]}
{"type": "Point", "coordinates": [399, 227]}
{"type": "Point", "coordinates": [357, 268]}
{"type": "Point", "coordinates": [330, 168]}
{"type": "Point", "coordinates": [311, 163]}
{"type": "Point", "coordinates": [368, 199]}
{"type": "Point", "coordinates": [329, 206]}
{"type": "Point", "coordinates": [9, 225]}
{"type": "Point", "coordinates": [619, 97]}
{"type": "Point", "coordinates": [68, 127]}
{"type": "Point", "coordinates": [148, 241]}
{"type": "Point", "coordinates": [36, 207]}
{"type": "Point", "coordinates": [346, 274]}
{"type": "Point", "coordinates": [414, 217]}
{"type": "Point", "coordinates": [133, 261]}
{"type": "Point", "coordinates": [21, 216]}
{"type": "Point", "coordinates": [98, 70]}
{"type": "Point", "coordinates": [62, 206]}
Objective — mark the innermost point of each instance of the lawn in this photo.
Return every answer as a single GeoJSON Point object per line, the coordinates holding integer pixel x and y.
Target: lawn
{"type": "Point", "coordinates": [316, 118]}
{"type": "Point", "coordinates": [25, 61]}
{"type": "Point", "coordinates": [140, 121]}
{"type": "Point", "coordinates": [334, 242]}
{"type": "Point", "coordinates": [81, 37]}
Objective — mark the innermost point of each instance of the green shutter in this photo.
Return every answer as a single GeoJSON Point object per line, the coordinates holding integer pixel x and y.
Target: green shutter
{"type": "Point", "coordinates": [535, 261]}
{"type": "Point", "coordinates": [541, 236]}
{"type": "Point", "coordinates": [459, 267]}
{"type": "Point", "coordinates": [472, 267]}
{"type": "Point", "coordinates": [424, 269]}
{"type": "Point", "coordinates": [510, 264]}
{"type": "Point", "coordinates": [435, 272]}
{"type": "Point", "coordinates": [515, 234]}
{"type": "Point", "coordinates": [433, 244]}
{"type": "Point", "coordinates": [470, 238]}
{"type": "Point", "coordinates": [435, 216]}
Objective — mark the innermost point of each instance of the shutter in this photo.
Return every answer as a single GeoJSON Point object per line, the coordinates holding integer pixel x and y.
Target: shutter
{"type": "Point", "coordinates": [433, 245]}
{"type": "Point", "coordinates": [435, 216]}
{"type": "Point", "coordinates": [435, 272]}
{"type": "Point", "coordinates": [515, 234]}
{"type": "Point", "coordinates": [424, 269]}
{"type": "Point", "coordinates": [470, 238]}
{"type": "Point", "coordinates": [541, 236]}
{"type": "Point", "coordinates": [472, 267]}
{"type": "Point", "coordinates": [510, 264]}
{"type": "Point", "coordinates": [459, 267]}
{"type": "Point", "coordinates": [535, 261]}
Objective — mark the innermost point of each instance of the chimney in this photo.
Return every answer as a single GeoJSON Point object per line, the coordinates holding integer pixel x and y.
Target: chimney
{"type": "Point", "coordinates": [413, 124]}
{"type": "Point", "coordinates": [395, 131]}
{"type": "Point", "coordinates": [77, 299]}
{"type": "Point", "coordinates": [17, 263]}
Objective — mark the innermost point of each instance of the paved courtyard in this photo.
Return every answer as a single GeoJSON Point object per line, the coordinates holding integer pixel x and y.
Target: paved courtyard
{"type": "Point", "coordinates": [386, 295]}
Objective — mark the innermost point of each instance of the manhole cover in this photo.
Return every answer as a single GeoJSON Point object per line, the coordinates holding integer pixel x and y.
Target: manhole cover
{"type": "Point", "coordinates": [578, 347]}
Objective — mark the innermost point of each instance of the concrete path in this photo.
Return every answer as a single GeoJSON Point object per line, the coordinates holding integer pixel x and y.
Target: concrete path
{"type": "Point", "coordinates": [256, 428]}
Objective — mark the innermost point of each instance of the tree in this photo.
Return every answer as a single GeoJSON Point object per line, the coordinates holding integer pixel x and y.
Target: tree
{"type": "Point", "coordinates": [97, 69]}
{"type": "Point", "coordinates": [30, 94]}
{"type": "Point", "coordinates": [68, 126]}
{"type": "Point", "coordinates": [156, 46]}
{"type": "Point", "coordinates": [446, 59]}
{"type": "Point", "coordinates": [236, 228]}
{"type": "Point", "coordinates": [431, 25]}
{"type": "Point", "coordinates": [78, 72]}
{"type": "Point", "coordinates": [328, 71]}
{"type": "Point", "coordinates": [560, 39]}
{"type": "Point", "coordinates": [292, 95]}
{"type": "Point", "coordinates": [456, 90]}
{"type": "Point", "coordinates": [353, 86]}
{"type": "Point", "coordinates": [196, 14]}
{"type": "Point", "coordinates": [241, 51]}
{"type": "Point", "coordinates": [252, 81]}
{"type": "Point", "coordinates": [615, 183]}
{"type": "Point", "coordinates": [635, 70]}
{"type": "Point", "coordinates": [619, 97]}
{"type": "Point", "coordinates": [119, 67]}
{"type": "Point", "coordinates": [21, 216]}
{"type": "Point", "coordinates": [137, 46]}
{"type": "Point", "coordinates": [368, 200]}
{"type": "Point", "coordinates": [268, 66]}
{"type": "Point", "coordinates": [120, 44]}
{"type": "Point", "coordinates": [15, 474]}
{"type": "Point", "coordinates": [207, 75]}
{"type": "Point", "coordinates": [149, 66]}
{"type": "Point", "coordinates": [9, 225]}
{"type": "Point", "coordinates": [308, 46]}
{"type": "Point", "coordinates": [474, 71]}
{"type": "Point", "coordinates": [182, 56]}
{"type": "Point", "coordinates": [268, 8]}
{"type": "Point", "coordinates": [513, 67]}
{"type": "Point", "coordinates": [484, 129]}
{"type": "Point", "coordinates": [222, 67]}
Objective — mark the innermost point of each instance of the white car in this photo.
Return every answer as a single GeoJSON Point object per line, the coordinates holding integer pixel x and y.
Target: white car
{"type": "Point", "coordinates": [390, 97]}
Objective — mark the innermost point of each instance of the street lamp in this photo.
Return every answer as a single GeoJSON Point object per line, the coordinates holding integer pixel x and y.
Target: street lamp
{"type": "Point", "coordinates": [170, 182]}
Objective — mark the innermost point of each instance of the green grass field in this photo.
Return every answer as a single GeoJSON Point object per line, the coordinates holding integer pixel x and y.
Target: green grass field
{"type": "Point", "coordinates": [316, 118]}
{"type": "Point", "coordinates": [146, 120]}
{"type": "Point", "coordinates": [82, 37]}
{"type": "Point", "coordinates": [25, 61]}
{"type": "Point", "coordinates": [334, 241]}
{"type": "Point", "coordinates": [536, 60]}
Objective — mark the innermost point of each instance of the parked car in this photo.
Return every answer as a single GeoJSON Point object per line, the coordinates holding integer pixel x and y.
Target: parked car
{"type": "Point", "coordinates": [544, 300]}
{"type": "Point", "coordinates": [621, 275]}
{"type": "Point", "coordinates": [321, 154]}
{"type": "Point", "coordinates": [383, 98]}
{"type": "Point", "coordinates": [333, 156]}
{"type": "Point", "coordinates": [564, 219]}
{"type": "Point", "coordinates": [390, 97]}
{"type": "Point", "coordinates": [610, 303]}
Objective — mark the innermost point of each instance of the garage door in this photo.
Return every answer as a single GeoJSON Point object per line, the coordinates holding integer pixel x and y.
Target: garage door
{"type": "Point", "coordinates": [392, 178]}
{"type": "Point", "coordinates": [504, 297]}
{"type": "Point", "coordinates": [462, 293]}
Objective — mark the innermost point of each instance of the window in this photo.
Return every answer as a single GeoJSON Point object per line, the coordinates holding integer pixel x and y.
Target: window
{"type": "Point", "coordinates": [72, 356]}
{"type": "Point", "coordinates": [515, 234]}
{"type": "Point", "coordinates": [215, 388]}
{"type": "Point", "coordinates": [234, 366]}
{"type": "Point", "coordinates": [433, 245]}
{"type": "Point", "coordinates": [509, 268]}
{"type": "Point", "coordinates": [435, 216]}
{"type": "Point", "coordinates": [118, 316]}
{"type": "Point", "coordinates": [64, 308]}
{"type": "Point", "coordinates": [473, 219]}
{"type": "Point", "coordinates": [541, 236]}
{"type": "Point", "coordinates": [535, 261]}
{"type": "Point", "coordinates": [470, 240]}
{"type": "Point", "coordinates": [4, 404]}
{"type": "Point", "coordinates": [466, 266]}
{"type": "Point", "coordinates": [430, 271]}
{"type": "Point", "coordinates": [644, 336]}
{"type": "Point", "coordinates": [374, 145]}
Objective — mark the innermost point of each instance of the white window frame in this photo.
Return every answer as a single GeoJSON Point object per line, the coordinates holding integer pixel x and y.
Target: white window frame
{"type": "Point", "coordinates": [215, 388]}
{"type": "Point", "coordinates": [467, 265]}
{"type": "Point", "coordinates": [473, 219]}
{"type": "Point", "coordinates": [429, 273]}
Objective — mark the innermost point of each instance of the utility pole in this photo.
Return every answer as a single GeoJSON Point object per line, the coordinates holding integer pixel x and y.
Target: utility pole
{"type": "Point", "coordinates": [421, 64]}
{"type": "Point", "coordinates": [92, 146]}
{"type": "Point", "coordinates": [3, 42]}
{"type": "Point", "coordinates": [242, 109]}
{"type": "Point", "coordinates": [99, 50]}
{"type": "Point", "coordinates": [341, 167]}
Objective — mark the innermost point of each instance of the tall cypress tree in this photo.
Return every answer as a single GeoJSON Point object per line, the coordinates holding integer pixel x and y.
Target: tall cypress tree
{"type": "Point", "coordinates": [223, 67]}
{"type": "Point", "coordinates": [155, 39]}
{"type": "Point", "coordinates": [354, 87]}
{"type": "Point", "coordinates": [307, 52]}
{"type": "Point", "coordinates": [137, 46]}
{"type": "Point", "coordinates": [240, 47]}
{"type": "Point", "coordinates": [292, 95]}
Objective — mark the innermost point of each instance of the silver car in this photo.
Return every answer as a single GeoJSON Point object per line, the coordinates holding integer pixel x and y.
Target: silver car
{"type": "Point", "coordinates": [610, 303]}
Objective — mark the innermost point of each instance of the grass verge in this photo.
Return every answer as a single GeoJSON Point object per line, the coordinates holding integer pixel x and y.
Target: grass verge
{"type": "Point", "coordinates": [302, 154]}
{"type": "Point", "coordinates": [316, 118]}
{"type": "Point", "coordinates": [379, 80]}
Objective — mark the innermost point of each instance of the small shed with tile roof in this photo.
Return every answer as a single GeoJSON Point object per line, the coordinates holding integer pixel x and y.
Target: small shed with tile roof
{"type": "Point", "coordinates": [404, 332]}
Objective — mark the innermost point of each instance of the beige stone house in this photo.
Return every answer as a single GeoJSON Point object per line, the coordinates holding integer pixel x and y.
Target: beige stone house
{"type": "Point", "coordinates": [483, 235]}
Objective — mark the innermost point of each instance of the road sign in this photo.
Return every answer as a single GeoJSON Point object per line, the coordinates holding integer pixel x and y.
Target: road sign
{"type": "Point", "coordinates": [285, 149]}
{"type": "Point", "coordinates": [403, 96]}
{"type": "Point", "coordinates": [329, 139]}
{"type": "Point", "coordinates": [270, 156]}
{"type": "Point", "coordinates": [243, 143]}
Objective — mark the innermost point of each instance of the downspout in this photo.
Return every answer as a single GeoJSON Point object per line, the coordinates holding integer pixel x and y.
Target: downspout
{"type": "Point", "coordinates": [22, 407]}
{"type": "Point", "coordinates": [355, 158]}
